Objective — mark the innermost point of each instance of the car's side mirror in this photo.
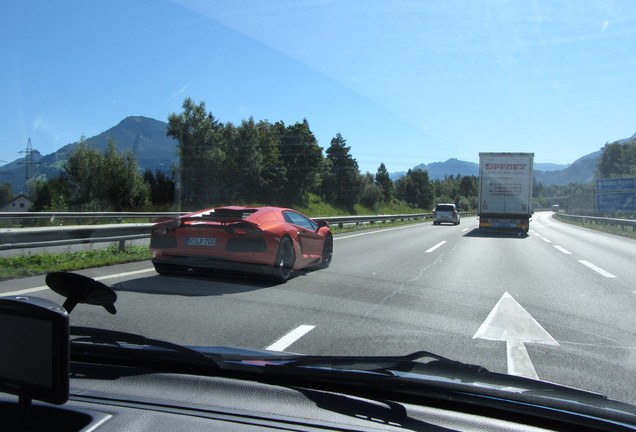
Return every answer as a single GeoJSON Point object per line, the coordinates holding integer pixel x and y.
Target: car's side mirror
{"type": "Point", "coordinates": [322, 223]}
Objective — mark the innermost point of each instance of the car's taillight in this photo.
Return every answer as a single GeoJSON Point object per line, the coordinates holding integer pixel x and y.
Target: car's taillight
{"type": "Point", "coordinates": [243, 230]}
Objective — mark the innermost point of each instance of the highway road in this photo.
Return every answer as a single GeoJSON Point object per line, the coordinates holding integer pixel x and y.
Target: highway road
{"type": "Point", "coordinates": [558, 305]}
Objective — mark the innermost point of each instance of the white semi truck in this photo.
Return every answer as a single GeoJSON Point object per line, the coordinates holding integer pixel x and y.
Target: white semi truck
{"type": "Point", "coordinates": [505, 191]}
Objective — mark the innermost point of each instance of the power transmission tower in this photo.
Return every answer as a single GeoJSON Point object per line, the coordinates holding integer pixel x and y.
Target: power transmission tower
{"type": "Point", "coordinates": [28, 161]}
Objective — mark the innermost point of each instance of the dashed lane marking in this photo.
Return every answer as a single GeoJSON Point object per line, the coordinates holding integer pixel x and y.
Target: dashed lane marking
{"type": "Point", "coordinates": [291, 337]}
{"type": "Point", "coordinates": [597, 269]}
{"type": "Point", "coordinates": [565, 251]}
{"type": "Point", "coordinates": [436, 246]}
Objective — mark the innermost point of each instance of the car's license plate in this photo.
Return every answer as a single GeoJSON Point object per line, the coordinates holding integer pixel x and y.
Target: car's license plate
{"type": "Point", "coordinates": [200, 241]}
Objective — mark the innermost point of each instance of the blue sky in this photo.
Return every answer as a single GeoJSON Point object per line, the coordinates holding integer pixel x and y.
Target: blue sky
{"type": "Point", "coordinates": [405, 82]}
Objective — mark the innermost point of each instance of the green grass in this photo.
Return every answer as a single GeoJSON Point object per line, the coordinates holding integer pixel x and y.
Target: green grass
{"type": "Point", "coordinates": [31, 265]}
{"type": "Point", "coordinates": [316, 208]}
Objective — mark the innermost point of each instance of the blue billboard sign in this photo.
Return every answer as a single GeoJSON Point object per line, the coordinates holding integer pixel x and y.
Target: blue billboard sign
{"type": "Point", "coordinates": [623, 184]}
{"type": "Point", "coordinates": [612, 202]}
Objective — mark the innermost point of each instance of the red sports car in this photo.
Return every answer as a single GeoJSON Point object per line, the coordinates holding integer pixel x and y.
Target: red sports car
{"type": "Point", "coordinates": [270, 240]}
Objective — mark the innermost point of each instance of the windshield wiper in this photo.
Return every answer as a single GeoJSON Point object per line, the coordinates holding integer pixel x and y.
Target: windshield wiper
{"type": "Point", "coordinates": [417, 362]}
{"type": "Point", "coordinates": [111, 343]}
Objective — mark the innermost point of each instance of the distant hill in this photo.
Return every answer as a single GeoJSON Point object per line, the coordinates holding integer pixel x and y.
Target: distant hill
{"type": "Point", "coordinates": [439, 170]}
{"type": "Point", "coordinates": [580, 171]}
{"type": "Point", "coordinates": [550, 166]}
{"type": "Point", "coordinates": [145, 136]}
{"type": "Point", "coordinates": [623, 141]}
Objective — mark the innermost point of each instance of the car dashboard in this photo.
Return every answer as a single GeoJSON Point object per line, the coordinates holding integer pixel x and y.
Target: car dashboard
{"type": "Point", "coordinates": [95, 383]}
{"type": "Point", "coordinates": [117, 398]}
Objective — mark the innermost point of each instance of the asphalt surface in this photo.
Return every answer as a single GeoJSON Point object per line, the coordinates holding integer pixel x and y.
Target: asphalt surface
{"type": "Point", "coordinates": [410, 288]}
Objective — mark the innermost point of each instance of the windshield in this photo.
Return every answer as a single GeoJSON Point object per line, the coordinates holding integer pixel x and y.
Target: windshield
{"type": "Point", "coordinates": [264, 175]}
{"type": "Point", "coordinates": [444, 207]}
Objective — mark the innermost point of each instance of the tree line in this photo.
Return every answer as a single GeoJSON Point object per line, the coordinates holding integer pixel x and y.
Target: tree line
{"type": "Point", "coordinates": [618, 160]}
{"type": "Point", "coordinates": [282, 164]}
{"type": "Point", "coordinates": [223, 163]}
{"type": "Point", "coordinates": [259, 162]}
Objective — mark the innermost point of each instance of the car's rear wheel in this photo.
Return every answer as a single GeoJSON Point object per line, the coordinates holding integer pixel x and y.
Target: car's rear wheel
{"type": "Point", "coordinates": [327, 252]}
{"type": "Point", "coordinates": [285, 258]}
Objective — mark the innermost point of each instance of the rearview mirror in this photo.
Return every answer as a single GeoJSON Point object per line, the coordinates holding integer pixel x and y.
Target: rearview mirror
{"type": "Point", "coordinates": [81, 289]}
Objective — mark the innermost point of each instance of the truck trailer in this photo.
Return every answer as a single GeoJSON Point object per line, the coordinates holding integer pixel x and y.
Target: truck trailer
{"type": "Point", "coordinates": [505, 191]}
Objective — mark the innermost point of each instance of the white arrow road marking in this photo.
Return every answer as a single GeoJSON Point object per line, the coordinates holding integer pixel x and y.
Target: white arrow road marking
{"type": "Point", "coordinates": [290, 338]}
{"type": "Point", "coordinates": [510, 322]}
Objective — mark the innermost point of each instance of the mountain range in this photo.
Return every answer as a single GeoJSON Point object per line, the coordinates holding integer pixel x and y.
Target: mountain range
{"type": "Point", "coordinates": [580, 171]}
{"type": "Point", "coordinates": [145, 136]}
{"type": "Point", "coordinates": [155, 150]}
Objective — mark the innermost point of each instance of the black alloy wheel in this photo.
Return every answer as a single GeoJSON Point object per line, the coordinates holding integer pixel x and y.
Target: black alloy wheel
{"type": "Point", "coordinates": [285, 259]}
{"type": "Point", "coordinates": [327, 252]}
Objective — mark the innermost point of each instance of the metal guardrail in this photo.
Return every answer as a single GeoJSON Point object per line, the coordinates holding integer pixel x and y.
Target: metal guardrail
{"type": "Point", "coordinates": [607, 221]}
{"type": "Point", "coordinates": [23, 238]}
{"type": "Point", "coordinates": [87, 215]}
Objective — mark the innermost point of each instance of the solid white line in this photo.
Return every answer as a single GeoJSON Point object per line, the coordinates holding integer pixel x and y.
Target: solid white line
{"type": "Point", "coordinates": [597, 269]}
{"type": "Point", "coordinates": [24, 291]}
{"type": "Point", "coordinates": [565, 251]}
{"type": "Point", "coordinates": [436, 246]}
{"type": "Point", "coordinates": [130, 273]}
{"type": "Point", "coordinates": [41, 288]}
{"type": "Point", "coordinates": [290, 338]}
{"type": "Point", "coordinates": [380, 230]}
